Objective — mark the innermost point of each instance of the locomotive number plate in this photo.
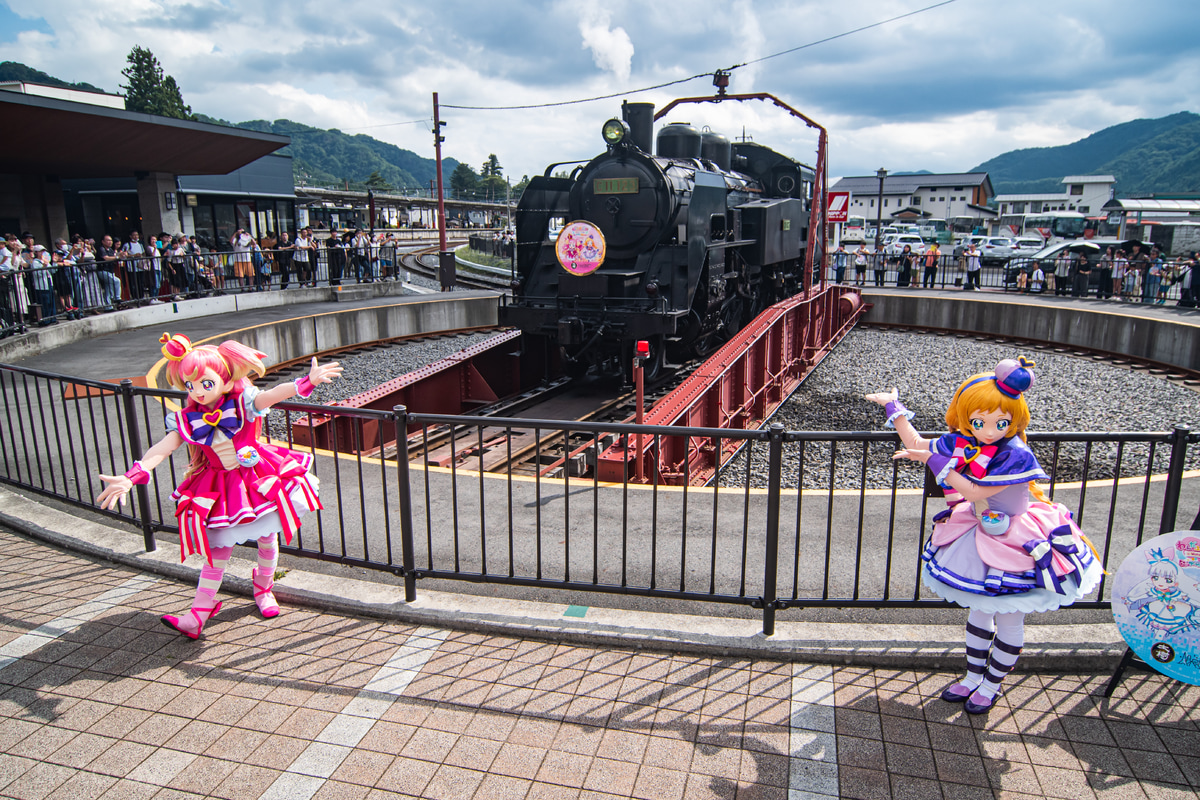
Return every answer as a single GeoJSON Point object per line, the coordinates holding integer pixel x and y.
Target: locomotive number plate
{"type": "Point", "coordinates": [615, 185]}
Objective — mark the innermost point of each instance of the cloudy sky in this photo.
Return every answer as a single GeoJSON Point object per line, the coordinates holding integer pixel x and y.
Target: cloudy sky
{"type": "Point", "coordinates": [943, 89]}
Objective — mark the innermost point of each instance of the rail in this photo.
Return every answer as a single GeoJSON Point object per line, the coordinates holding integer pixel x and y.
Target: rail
{"type": "Point", "coordinates": [800, 519]}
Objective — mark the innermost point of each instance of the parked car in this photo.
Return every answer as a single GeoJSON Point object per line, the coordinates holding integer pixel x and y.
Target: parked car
{"type": "Point", "coordinates": [896, 245]}
{"type": "Point", "coordinates": [1047, 256]}
{"type": "Point", "coordinates": [1027, 245]}
{"type": "Point", "coordinates": [995, 249]}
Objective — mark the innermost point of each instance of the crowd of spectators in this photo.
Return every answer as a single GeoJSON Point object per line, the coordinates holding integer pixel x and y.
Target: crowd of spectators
{"type": "Point", "coordinates": [1136, 275]}
{"type": "Point", "coordinates": [40, 285]}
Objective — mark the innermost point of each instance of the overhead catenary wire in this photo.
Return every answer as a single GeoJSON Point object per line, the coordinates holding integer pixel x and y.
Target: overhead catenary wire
{"type": "Point", "coordinates": [628, 92]}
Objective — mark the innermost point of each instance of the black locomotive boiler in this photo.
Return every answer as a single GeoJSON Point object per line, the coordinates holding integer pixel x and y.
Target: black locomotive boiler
{"type": "Point", "coordinates": [699, 237]}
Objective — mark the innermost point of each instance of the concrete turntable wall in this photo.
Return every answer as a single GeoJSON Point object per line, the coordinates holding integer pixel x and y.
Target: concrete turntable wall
{"type": "Point", "coordinates": [1113, 328]}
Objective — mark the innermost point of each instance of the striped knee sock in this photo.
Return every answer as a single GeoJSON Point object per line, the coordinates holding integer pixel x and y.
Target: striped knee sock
{"type": "Point", "coordinates": [268, 556]}
{"type": "Point", "coordinates": [211, 577]}
{"type": "Point", "coordinates": [1006, 649]}
{"type": "Point", "coordinates": [980, 627]}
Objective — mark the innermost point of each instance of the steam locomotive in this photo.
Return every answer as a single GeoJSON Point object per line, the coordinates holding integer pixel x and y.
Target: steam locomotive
{"type": "Point", "coordinates": [695, 239]}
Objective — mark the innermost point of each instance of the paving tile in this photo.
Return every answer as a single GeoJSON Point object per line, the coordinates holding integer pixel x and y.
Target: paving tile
{"type": "Point", "coordinates": [518, 760]}
{"type": "Point", "coordinates": [609, 775]}
{"type": "Point", "coordinates": [407, 776]}
{"type": "Point", "coordinates": [161, 766]}
{"type": "Point", "coordinates": [502, 787]}
{"type": "Point", "coordinates": [564, 769]}
{"type": "Point", "coordinates": [120, 758]}
{"type": "Point", "coordinates": [275, 751]}
{"type": "Point", "coordinates": [246, 781]}
{"type": "Point", "coordinates": [38, 782]}
{"type": "Point", "coordinates": [362, 768]}
{"type": "Point", "coordinates": [202, 775]}
{"type": "Point", "coordinates": [83, 786]}
{"type": "Point", "coordinates": [337, 790]}
{"type": "Point", "coordinates": [82, 750]}
{"type": "Point", "coordinates": [453, 783]}
{"type": "Point", "coordinates": [855, 783]}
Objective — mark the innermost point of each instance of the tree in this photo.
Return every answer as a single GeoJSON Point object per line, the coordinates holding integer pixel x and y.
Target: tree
{"type": "Point", "coordinates": [377, 183]}
{"type": "Point", "coordinates": [148, 90]}
{"type": "Point", "coordinates": [491, 168]}
{"type": "Point", "coordinates": [464, 182]}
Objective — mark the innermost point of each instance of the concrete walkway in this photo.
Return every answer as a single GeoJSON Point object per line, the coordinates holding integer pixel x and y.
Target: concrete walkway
{"type": "Point", "coordinates": [97, 699]}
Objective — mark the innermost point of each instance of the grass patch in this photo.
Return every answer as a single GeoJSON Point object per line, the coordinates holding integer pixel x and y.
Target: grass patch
{"type": "Point", "coordinates": [486, 259]}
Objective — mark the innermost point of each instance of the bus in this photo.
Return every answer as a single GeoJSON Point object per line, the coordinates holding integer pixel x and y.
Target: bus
{"type": "Point", "coordinates": [1052, 226]}
{"type": "Point", "coordinates": [855, 230]}
{"type": "Point", "coordinates": [934, 230]}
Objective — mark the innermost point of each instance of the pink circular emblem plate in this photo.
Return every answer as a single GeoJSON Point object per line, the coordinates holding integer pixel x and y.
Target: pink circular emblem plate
{"type": "Point", "coordinates": [580, 248]}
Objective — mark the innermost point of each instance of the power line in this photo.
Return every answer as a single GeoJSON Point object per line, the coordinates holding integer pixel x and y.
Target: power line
{"type": "Point", "coordinates": [388, 124]}
{"type": "Point", "coordinates": [847, 33]}
{"type": "Point", "coordinates": [584, 100]}
{"type": "Point", "coordinates": [707, 74]}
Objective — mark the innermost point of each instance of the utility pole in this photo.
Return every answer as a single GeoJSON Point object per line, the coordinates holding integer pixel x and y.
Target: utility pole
{"type": "Point", "coordinates": [445, 257]}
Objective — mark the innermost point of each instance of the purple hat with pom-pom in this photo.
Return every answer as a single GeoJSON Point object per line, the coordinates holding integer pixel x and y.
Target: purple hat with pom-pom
{"type": "Point", "coordinates": [1014, 376]}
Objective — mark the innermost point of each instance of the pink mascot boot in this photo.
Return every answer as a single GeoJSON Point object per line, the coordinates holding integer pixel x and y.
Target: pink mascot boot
{"type": "Point", "coordinates": [263, 584]}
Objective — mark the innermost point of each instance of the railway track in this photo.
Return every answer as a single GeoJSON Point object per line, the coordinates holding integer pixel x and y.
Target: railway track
{"type": "Point", "coordinates": [424, 262]}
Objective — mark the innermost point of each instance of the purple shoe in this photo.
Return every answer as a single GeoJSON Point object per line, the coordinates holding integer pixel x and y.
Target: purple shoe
{"type": "Point", "coordinates": [956, 693]}
{"type": "Point", "coordinates": [978, 704]}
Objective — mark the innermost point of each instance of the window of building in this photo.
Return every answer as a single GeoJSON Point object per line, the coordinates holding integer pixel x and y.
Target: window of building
{"type": "Point", "coordinates": [958, 188]}
{"type": "Point", "coordinates": [1018, 208]}
{"type": "Point", "coordinates": [1083, 209]}
{"type": "Point", "coordinates": [916, 200]}
{"type": "Point", "coordinates": [1076, 188]}
{"type": "Point", "coordinates": [872, 203]}
{"type": "Point", "coordinates": [1035, 208]}
{"type": "Point", "coordinates": [941, 199]}
{"type": "Point", "coordinates": [885, 203]}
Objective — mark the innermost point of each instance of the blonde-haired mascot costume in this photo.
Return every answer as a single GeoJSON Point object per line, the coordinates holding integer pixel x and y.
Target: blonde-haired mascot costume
{"type": "Point", "coordinates": [1002, 549]}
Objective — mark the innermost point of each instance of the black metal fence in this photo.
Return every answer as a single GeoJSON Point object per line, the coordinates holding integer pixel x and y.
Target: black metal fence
{"type": "Point", "coordinates": [800, 519]}
{"type": "Point", "coordinates": [1011, 275]}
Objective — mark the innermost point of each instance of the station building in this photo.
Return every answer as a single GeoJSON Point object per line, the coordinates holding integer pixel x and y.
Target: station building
{"type": "Point", "coordinates": [78, 162]}
{"type": "Point", "coordinates": [1085, 194]}
{"type": "Point", "coordinates": [959, 198]}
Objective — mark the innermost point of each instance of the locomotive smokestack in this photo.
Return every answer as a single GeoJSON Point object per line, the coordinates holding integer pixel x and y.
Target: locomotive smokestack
{"type": "Point", "coordinates": [640, 118]}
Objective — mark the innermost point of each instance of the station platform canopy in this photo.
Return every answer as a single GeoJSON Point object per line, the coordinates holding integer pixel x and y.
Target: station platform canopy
{"type": "Point", "coordinates": [1152, 206]}
{"type": "Point", "coordinates": [48, 136]}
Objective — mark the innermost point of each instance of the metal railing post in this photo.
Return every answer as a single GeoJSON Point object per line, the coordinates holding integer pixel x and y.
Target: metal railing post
{"type": "Point", "coordinates": [408, 555]}
{"type": "Point", "coordinates": [1179, 437]}
{"type": "Point", "coordinates": [135, 447]}
{"type": "Point", "coordinates": [771, 559]}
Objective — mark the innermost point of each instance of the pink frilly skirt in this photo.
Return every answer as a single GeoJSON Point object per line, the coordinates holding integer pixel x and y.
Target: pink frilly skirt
{"type": "Point", "coordinates": [1041, 562]}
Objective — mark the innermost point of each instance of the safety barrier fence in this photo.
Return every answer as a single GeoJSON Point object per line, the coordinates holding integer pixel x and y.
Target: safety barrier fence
{"type": "Point", "coordinates": [798, 519]}
{"type": "Point", "coordinates": [1010, 275]}
{"type": "Point", "coordinates": [43, 295]}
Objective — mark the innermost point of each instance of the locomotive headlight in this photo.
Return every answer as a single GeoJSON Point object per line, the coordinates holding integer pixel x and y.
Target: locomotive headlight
{"type": "Point", "coordinates": [614, 131]}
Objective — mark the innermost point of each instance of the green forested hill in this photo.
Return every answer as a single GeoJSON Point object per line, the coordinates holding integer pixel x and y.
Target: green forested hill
{"type": "Point", "coordinates": [15, 71]}
{"type": "Point", "coordinates": [328, 157]}
{"type": "Point", "coordinates": [1145, 155]}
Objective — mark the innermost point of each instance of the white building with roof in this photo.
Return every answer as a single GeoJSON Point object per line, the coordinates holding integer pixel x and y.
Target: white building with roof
{"type": "Point", "coordinates": [1085, 194]}
{"type": "Point", "coordinates": [961, 196]}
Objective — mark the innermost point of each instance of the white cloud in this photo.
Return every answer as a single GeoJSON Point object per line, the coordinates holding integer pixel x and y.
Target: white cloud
{"type": "Point", "coordinates": [611, 48]}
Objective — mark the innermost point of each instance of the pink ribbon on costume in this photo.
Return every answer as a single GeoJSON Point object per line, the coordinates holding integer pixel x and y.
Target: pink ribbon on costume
{"type": "Point", "coordinates": [975, 457]}
{"type": "Point", "coordinates": [192, 513]}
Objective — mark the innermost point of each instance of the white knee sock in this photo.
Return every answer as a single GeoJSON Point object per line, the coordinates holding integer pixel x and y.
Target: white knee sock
{"type": "Point", "coordinates": [268, 556]}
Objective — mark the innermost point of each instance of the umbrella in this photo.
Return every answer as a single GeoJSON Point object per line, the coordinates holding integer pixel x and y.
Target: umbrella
{"type": "Point", "coordinates": [1084, 247]}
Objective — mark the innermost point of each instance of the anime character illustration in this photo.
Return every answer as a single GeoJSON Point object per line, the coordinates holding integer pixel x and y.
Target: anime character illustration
{"type": "Point", "coordinates": [237, 488]}
{"type": "Point", "coordinates": [1001, 549]}
{"type": "Point", "coordinates": [1160, 603]}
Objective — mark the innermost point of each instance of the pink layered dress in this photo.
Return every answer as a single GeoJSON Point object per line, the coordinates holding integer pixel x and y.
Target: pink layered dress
{"type": "Point", "coordinates": [1039, 562]}
{"type": "Point", "coordinates": [246, 489]}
